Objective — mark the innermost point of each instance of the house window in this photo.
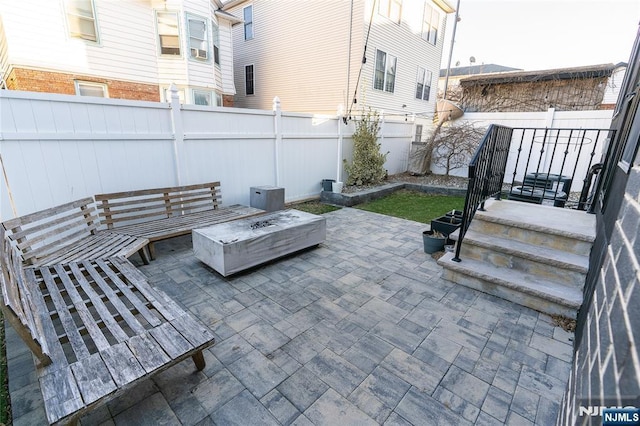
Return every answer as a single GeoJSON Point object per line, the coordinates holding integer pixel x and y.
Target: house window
{"type": "Point", "coordinates": [247, 14]}
{"type": "Point", "coordinates": [430, 24]}
{"type": "Point", "coordinates": [85, 88]}
{"type": "Point", "coordinates": [248, 80]}
{"type": "Point", "coordinates": [418, 137]}
{"type": "Point", "coordinates": [215, 40]}
{"type": "Point", "coordinates": [392, 9]}
{"type": "Point", "coordinates": [168, 33]}
{"type": "Point", "coordinates": [423, 84]}
{"type": "Point", "coordinates": [201, 97]}
{"type": "Point", "coordinates": [81, 19]}
{"type": "Point", "coordinates": [385, 75]}
{"type": "Point", "coordinates": [198, 43]}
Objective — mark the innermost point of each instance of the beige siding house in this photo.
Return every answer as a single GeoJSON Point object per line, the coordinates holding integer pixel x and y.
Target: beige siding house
{"type": "Point", "coordinates": [319, 54]}
{"type": "Point", "coordinates": [118, 49]}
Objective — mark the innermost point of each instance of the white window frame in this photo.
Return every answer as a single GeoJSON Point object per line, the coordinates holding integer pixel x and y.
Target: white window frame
{"type": "Point", "coordinates": [195, 53]}
{"type": "Point", "coordinates": [248, 24]}
{"type": "Point", "coordinates": [253, 80]}
{"type": "Point", "coordinates": [430, 24]}
{"type": "Point", "coordinates": [80, 83]}
{"type": "Point", "coordinates": [391, 9]}
{"type": "Point", "coordinates": [176, 15]}
{"type": "Point", "coordinates": [215, 42]}
{"type": "Point", "coordinates": [390, 70]}
{"type": "Point", "coordinates": [201, 92]}
{"type": "Point", "coordinates": [93, 18]}
{"type": "Point", "coordinates": [424, 78]}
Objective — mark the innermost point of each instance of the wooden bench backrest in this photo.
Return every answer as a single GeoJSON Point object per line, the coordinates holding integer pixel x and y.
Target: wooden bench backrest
{"type": "Point", "coordinates": [17, 305]}
{"type": "Point", "coordinates": [123, 208]}
{"type": "Point", "coordinates": [39, 234]}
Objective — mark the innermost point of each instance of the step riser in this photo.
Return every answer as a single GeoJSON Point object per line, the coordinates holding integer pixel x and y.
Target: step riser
{"type": "Point", "coordinates": [558, 242]}
{"type": "Point", "coordinates": [512, 295]}
{"type": "Point", "coordinates": [546, 271]}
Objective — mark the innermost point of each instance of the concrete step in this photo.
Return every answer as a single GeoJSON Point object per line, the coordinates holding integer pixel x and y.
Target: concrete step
{"type": "Point", "coordinates": [544, 226]}
{"type": "Point", "coordinates": [513, 285]}
{"type": "Point", "coordinates": [547, 263]}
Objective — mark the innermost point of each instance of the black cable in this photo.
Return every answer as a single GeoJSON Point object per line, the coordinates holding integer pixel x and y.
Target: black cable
{"type": "Point", "coordinates": [364, 61]}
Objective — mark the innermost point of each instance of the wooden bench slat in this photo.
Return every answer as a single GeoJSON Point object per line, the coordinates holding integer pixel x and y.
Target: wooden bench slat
{"type": "Point", "coordinates": [54, 246]}
{"type": "Point", "coordinates": [163, 304]}
{"type": "Point", "coordinates": [70, 327]}
{"type": "Point", "coordinates": [102, 244]}
{"type": "Point", "coordinates": [122, 309]}
{"type": "Point", "coordinates": [122, 364]}
{"type": "Point", "coordinates": [93, 378]}
{"type": "Point", "coordinates": [140, 305]}
{"type": "Point", "coordinates": [60, 393]}
{"type": "Point", "coordinates": [195, 332]}
{"type": "Point", "coordinates": [56, 235]}
{"type": "Point", "coordinates": [89, 322]}
{"type": "Point", "coordinates": [148, 353]}
{"type": "Point", "coordinates": [171, 341]}
{"type": "Point", "coordinates": [20, 233]}
{"type": "Point", "coordinates": [135, 199]}
{"type": "Point", "coordinates": [127, 194]}
{"type": "Point", "coordinates": [105, 315]}
{"type": "Point", "coordinates": [48, 213]}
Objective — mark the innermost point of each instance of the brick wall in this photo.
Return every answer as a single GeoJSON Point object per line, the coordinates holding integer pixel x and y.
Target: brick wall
{"type": "Point", "coordinates": [607, 363]}
{"type": "Point", "coordinates": [54, 82]}
{"type": "Point", "coordinates": [227, 100]}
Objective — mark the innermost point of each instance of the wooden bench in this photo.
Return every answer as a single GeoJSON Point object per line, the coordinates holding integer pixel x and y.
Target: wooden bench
{"type": "Point", "coordinates": [161, 213]}
{"type": "Point", "coordinates": [67, 233]}
{"type": "Point", "coordinates": [96, 328]}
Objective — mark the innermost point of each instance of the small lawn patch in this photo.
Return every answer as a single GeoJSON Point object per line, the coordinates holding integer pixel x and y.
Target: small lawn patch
{"type": "Point", "coordinates": [414, 205]}
{"type": "Point", "coordinates": [314, 207]}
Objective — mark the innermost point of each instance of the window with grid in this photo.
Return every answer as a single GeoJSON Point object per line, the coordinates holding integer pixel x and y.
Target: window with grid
{"type": "Point", "coordinates": [168, 33]}
{"type": "Point", "coordinates": [81, 19]}
{"type": "Point", "coordinates": [385, 73]}
{"type": "Point", "coordinates": [423, 84]}
{"type": "Point", "coordinates": [392, 9]}
{"type": "Point", "coordinates": [248, 80]}
{"type": "Point", "coordinates": [198, 42]}
{"type": "Point", "coordinates": [430, 24]}
{"type": "Point", "coordinates": [247, 14]}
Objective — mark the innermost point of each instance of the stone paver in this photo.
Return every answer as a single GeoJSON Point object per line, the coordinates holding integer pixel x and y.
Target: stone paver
{"type": "Point", "coordinates": [360, 330]}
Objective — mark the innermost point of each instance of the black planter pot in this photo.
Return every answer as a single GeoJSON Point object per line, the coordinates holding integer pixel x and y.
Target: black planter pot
{"type": "Point", "coordinates": [446, 224]}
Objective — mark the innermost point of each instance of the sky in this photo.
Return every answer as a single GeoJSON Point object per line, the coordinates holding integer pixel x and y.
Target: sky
{"type": "Point", "coordinates": [542, 34]}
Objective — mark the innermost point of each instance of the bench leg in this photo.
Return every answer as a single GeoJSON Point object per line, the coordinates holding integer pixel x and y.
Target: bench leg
{"type": "Point", "coordinates": [198, 360]}
{"type": "Point", "coordinates": [144, 255]}
{"type": "Point", "coordinates": [152, 251]}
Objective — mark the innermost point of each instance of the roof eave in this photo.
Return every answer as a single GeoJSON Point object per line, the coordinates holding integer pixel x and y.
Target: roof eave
{"type": "Point", "coordinates": [229, 17]}
{"type": "Point", "coordinates": [445, 6]}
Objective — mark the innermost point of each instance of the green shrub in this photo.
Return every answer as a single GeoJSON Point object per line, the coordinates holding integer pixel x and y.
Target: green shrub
{"type": "Point", "coordinates": [367, 165]}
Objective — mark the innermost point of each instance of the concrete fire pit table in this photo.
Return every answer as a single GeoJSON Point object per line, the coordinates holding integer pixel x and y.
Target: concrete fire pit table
{"type": "Point", "coordinates": [234, 246]}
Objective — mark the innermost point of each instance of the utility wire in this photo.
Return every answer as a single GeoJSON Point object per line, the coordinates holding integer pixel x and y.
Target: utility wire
{"type": "Point", "coordinates": [364, 60]}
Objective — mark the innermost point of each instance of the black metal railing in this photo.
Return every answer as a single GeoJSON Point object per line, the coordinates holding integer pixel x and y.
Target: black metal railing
{"type": "Point", "coordinates": [536, 165]}
{"type": "Point", "coordinates": [553, 166]}
{"type": "Point", "coordinates": [486, 174]}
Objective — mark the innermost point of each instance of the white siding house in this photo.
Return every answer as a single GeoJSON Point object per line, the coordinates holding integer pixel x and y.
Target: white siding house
{"type": "Point", "coordinates": [310, 54]}
{"type": "Point", "coordinates": [119, 49]}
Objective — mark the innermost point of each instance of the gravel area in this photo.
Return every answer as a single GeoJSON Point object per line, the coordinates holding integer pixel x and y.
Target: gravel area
{"type": "Point", "coordinates": [436, 180]}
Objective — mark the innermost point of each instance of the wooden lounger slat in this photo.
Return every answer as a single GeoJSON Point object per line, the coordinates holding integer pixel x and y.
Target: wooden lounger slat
{"type": "Point", "coordinates": [98, 303]}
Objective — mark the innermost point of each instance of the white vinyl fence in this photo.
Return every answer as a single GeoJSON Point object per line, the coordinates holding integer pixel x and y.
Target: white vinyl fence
{"type": "Point", "coordinates": [58, 148]}
{"type": "Point", "coordinates": [597, 119]}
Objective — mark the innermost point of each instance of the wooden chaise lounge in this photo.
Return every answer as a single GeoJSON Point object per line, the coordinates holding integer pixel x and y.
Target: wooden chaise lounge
{"type": "Point", "coordinates": [96, 328]}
